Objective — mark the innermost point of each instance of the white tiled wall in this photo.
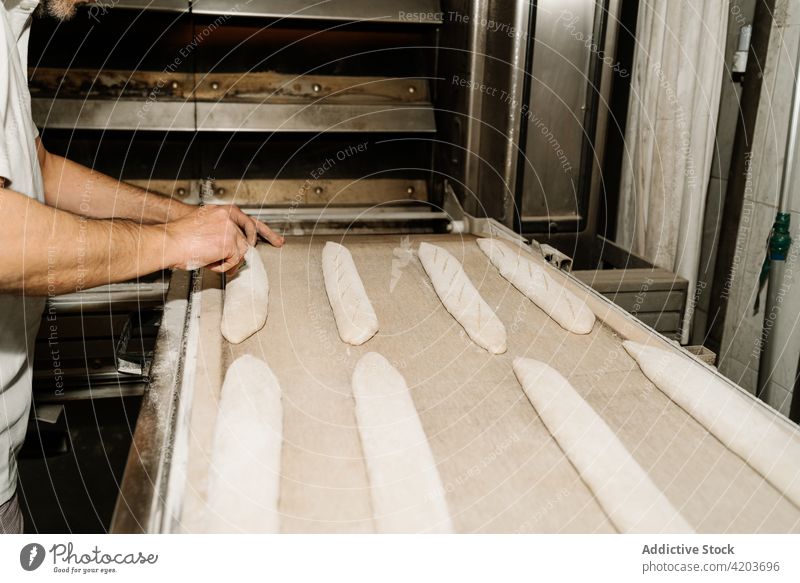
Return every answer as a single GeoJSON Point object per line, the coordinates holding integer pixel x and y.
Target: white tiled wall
{"type": "Point", "coordinates": [739, 357]}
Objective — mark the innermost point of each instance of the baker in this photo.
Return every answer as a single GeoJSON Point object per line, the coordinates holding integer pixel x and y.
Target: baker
{"type": "Point", "coordinates": [66, 227]}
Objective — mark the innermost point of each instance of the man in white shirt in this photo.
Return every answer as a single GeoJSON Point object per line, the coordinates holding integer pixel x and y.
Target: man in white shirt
{"type": "Point", "coordinates": [57, 237]}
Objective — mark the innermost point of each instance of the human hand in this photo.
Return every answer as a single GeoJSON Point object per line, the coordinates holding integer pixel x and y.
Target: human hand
{"type": "Point", "coordinates": [206, 237]}
{"type": "Point", "coordinates": [253, 227]}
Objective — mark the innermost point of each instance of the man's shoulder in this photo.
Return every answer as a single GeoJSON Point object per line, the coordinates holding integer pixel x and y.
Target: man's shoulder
{"type": "Point", "coordinates": [5, 28]}
{"type": "Point", "coordinates": [27, 6]}
{"type": "Point", "coordinates": [16, 15]}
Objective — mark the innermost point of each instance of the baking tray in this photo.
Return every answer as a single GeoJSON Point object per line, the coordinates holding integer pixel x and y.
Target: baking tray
{"type": "Point", "coordinates": [501, 469]}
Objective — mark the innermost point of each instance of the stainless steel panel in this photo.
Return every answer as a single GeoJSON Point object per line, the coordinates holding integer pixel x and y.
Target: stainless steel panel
{"type": "Point", "coordinates": [482, 67]}
{"type": "Point", "coordinates": [119, 115]}
{"type": "Point", "coordinates": [474, 104]}
{"type": "Point", "coordinates": [501, 114]}
{"type": "Point", "coordinates": [140, 504]}
{"type": "Point", "coordinates": [244, 117]}
{"type": "Point", "coordinates": [408, 11]}
{"type": "Point", "coordinates": [350, 215]}
{"type": "Point", "coordinates": [561, 59]}
{"type": "Point", "coordinates": [116, 297]}
{"type": "Point", "coordinates": [609, 70]}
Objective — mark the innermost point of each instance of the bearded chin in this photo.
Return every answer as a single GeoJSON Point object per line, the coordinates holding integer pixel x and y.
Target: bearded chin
{"type": "Point", "coordinates": [61, 9]}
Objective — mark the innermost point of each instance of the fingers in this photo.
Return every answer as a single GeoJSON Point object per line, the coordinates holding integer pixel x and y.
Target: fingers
{"type": "Point", "coordinates": [252, 228]}
{"type": "Point", "coordinates": [228, 266]}
{"type": "Point", "coordinates": [234, 270]}
{"type": "Point", "coordinates": [241, 220]}
{"type": "Point", "coordinates": [247, 223]}
{"type": "Point", "coordinates": [235, 255]}
{"type": "Point", "coordinates": [233, 233]}
{"type": "Point", "coordinates": [242, 246]}
{"type": "Point", "coordinates": [221, 266]}
{"type": "Point", "coordinates": [250, 231]}
{"type": "Point", "coordinates": [269, 234]}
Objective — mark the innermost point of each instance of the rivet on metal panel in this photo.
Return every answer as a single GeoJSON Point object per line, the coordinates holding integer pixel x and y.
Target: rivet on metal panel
{"type": "Point", "coordinates": [316, 87]}
{"type": "Point", "coordinates": [412, 89]}
{"type": "Point", "coordinates": [318, 190]}
{"type": "Point", "coordinates": [215, 86]}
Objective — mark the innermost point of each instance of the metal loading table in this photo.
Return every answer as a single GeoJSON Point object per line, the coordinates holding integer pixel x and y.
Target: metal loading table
{"type": "Point", "coordinates": [501, 469]}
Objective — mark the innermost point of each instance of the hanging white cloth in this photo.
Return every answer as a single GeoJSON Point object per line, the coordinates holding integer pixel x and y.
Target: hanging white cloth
{"type": "Point", "coordinates": [672, 119]}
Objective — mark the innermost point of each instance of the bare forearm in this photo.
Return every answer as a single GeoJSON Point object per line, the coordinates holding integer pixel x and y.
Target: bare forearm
{"type": "Point", "coordinates": [74, 188]}
{"type": "Point", "coordinates": [48, 251]}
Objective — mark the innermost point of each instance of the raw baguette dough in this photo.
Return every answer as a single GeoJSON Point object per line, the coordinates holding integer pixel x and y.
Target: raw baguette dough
{"type": "Point", "coordinates": [461, 299]}
{"type": "Point", "coordinates": [543, 290]}
{"type": "Point", "coordinates": [407, 493]}
{"type": "Point", "coordinates": [246, 300]}
{"type": "Point", "coordinates": [355, 318]}
{"type": "Point", "coordinates": [627, 494]}
{"type": "Point", "coordinates": [245, 465]}
{"type": "Point", "coordinates": [743, 425]}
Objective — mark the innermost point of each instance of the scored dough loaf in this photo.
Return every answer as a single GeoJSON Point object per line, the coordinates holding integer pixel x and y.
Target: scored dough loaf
{"type": "Point", "coordinates": [461, 299]}
{"type": "Point", "coordinates": [246, 303]}
{"type": "Point", "coordinates": [352, 310]}
{"type": "Point", "coordinates": [569, 311]}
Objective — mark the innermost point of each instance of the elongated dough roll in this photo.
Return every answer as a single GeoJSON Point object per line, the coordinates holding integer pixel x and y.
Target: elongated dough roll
{"type": "Point", "coordinates": [246, 300]}
{"type": "Point", "coordinates": [543, 290]}
{"type": "Point", "coordinates": [461, 299]}
{"type": "Point", "coordinates": [245, 466]}
{"type": "Point", "coordinates": [406, 490]}
{"type": "Point", "coordinates": [355, 318]}
{"type": "Point", "coordinates": [627, 494]}
{"type": "Point", "coordinates": [744, 426]}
